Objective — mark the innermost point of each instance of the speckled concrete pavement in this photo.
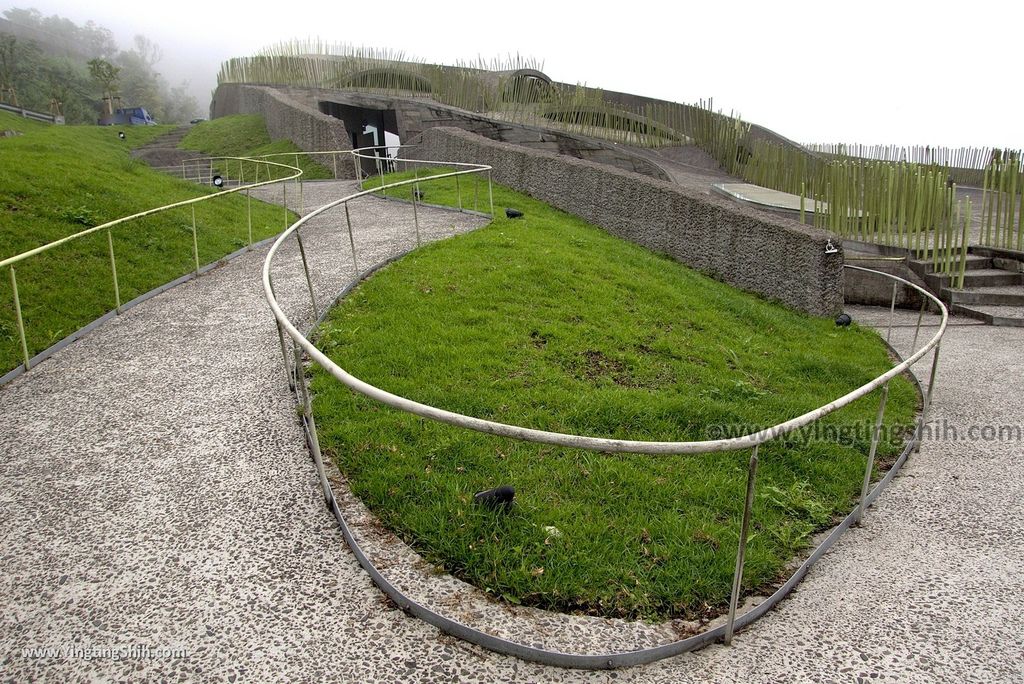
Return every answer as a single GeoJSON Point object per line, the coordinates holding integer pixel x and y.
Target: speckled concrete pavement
{"type": "Point", "coordinates": [156, 494]}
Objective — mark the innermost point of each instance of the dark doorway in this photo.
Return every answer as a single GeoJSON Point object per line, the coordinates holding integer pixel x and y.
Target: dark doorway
{"type": "Point", "coordinates": [366, 128]}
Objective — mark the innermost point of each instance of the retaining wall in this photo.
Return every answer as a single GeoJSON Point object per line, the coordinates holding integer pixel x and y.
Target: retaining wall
{"type": "Point", "coordinates": [308, 128]}
{"type": "Point", "coordinates": [287, 106]}
{"type": "Point", "coordinates": [777, 258]}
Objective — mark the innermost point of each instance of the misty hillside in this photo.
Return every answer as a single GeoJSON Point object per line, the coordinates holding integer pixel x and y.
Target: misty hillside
{"type": "Point", "coordinates": [45, 66]}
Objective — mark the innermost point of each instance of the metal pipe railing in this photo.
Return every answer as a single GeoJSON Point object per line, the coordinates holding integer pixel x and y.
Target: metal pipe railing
{"type": "Point", "coordinates": [10, 262]}
{"type": "Point", "coordinates": [751, 441]}
{"type": "Point", "coordinates": [301, 345]}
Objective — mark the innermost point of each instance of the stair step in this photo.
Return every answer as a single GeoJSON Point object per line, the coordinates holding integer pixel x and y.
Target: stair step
{"type": "Point", "coordinates": [167, 139]}
{"type": "Point", "coordinates": [997, 252]}
{"type": "Point", "coordinates": [1008, 264]}
{"type": "Point", "coordinates": [993, 315]}
{"type": "Point", "coordinates": [982, 277]}
{"type": "Point", "coordinates": [972, 262]}
{"type": "Point", "coordinates": [1006, 295]}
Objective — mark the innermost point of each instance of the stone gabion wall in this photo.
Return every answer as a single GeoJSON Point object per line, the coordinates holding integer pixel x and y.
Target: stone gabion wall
{"type": "Point", "coordinates": [775, 257]}
{"type": "Point", "coordinates": [308, 128]}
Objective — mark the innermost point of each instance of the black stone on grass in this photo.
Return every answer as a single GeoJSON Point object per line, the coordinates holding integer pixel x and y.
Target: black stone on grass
{"type": "Point", "coordinates": [497, 498]}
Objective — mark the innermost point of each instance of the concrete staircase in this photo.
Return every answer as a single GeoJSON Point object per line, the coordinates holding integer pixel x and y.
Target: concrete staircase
{"type": "Point", "coordinates": [162, 154]}
{"type": "Point", "coordinates": [993, 287]}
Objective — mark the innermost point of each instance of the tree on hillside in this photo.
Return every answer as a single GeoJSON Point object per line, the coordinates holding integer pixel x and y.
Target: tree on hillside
{"type": "Point", "coordinates": [79, 70]}
{"type": "Point", "coordinates": [8, 68]}
{"type": "Point", "coordinates": [63, 36]}
{"type": "Point", "coordinates": [181, 106]}
{"type": "Point", "coordinates": [97, 41]}
{"type": "Point", "coordinates": [140, 85]}
{"type": "Point", "coordinates": [106, 76]}
{"type": "Point", "coordinates": [149, 52]}
{"type": "Point", "coordinates": [66, 86]}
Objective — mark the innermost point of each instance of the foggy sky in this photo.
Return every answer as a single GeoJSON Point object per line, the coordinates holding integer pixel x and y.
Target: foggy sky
{"type": "Point", "coordinates": [869, 72]}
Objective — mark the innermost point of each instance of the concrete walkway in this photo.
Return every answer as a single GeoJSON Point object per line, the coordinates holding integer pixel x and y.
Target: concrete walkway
{"type": "Point", "coordinates": [156, 493]}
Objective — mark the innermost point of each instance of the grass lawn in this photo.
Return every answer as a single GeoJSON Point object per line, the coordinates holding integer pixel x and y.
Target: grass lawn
{"type": "Point", "coordinates": [59, 180]}
{"type": "Point", "coordinates": [549, 322]}
{"type": "Point", "coordinates": [245, 135]}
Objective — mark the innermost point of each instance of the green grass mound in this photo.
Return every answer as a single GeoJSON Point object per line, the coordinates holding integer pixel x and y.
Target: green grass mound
{"type": "Point", "coordinates": [59, 180]}
{"type": "Point", "coordinates": [245, 135]}
{"type": "Point", "coordinates": [551, 323]}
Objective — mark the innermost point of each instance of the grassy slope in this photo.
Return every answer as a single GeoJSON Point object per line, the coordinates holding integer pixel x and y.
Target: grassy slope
{"type": "Point", "coordinates": [59, 180]}
{"type": "Point", "coordinates": [551, 323]}
{"type": "Point", "coordinates": [245, 135]}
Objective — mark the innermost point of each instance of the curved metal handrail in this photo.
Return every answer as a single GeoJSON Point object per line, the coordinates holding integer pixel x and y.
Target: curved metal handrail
{"type": "Point", "coordinates": [544, 436]}
{"type": "Point", "coordinates": [149, 212]}
{"type": "Point", "coordinates": [10, 262]}
{"type": "Point", "coordinates": [753, 440]}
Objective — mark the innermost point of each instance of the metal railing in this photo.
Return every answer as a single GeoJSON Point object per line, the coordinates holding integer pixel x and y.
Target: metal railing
{"type": "Point", "coordinates": [292, 173]}
{"type": "Point", "coordinates": [302, 345]}
{"type": "Point", "coordinates": [31, 114]}
{"type": "Point", "coordinates": [203, 169]}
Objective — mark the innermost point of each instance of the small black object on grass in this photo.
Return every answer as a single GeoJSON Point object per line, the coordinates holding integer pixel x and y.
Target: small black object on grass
{"type": "Point", "coordinates": [218, 182]}
{"type": "Point", "coordinates": [513, 213]}
{"type": "Point", "coordinates": [843, 320]}
{"type": "Point", "coordinates": [419, 194]}
{"type": "Point", "coordinates": [121, 135]}
{"type": "Point", "coordinates": [497, 498]}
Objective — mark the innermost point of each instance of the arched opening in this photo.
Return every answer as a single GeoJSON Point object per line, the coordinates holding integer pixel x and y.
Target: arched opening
{"type": "Point", "coordinates": [526, 86]}
{"type": "Point", "coordinates": [384, 78]}
{"type": "Point", "coordinates": [615, 120]}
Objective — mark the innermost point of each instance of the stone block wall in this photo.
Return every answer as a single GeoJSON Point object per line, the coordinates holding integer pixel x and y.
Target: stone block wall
{"type": "Point", "coordinates": [775, 257]}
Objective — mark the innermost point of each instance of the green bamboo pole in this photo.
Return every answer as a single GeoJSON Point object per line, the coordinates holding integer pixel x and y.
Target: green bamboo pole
{"type": "Point", "coordinates": [963, 243]}
{"type": "Point", "coordinates": [985, 226]}
{"type": "Point", "coordinates": [1020, 219]}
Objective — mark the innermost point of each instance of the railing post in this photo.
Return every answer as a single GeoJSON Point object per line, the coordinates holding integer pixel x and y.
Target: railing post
{"type": "Point", "coordinates": [415, 215]}
{"type": "Point", "coordinates": [355, 163]}
{"type": "Point", "coordinates": [241, 172]}
{"type": "Point", "coordinates": [334, 161]}
{"type": "Point", "coordinates": [917, 330]}
{"type": "Point", "coordinates": [19, 320]}
{"type": "Point", "coordinates": [351, 241]}
{"type": "Point", "coordinates": [280, 338]}
{"type": "Point", "coordinates": [875, 435]}
{"type": "Point", "coordinates": [490, 192]}
{"type": "Point", "coordinates": [113, 270]}
{"type": "Point", "coordinates": [931, 382]}
{"type": "Point", "coordinates": [195, 239]}
{"type": "Point", "coordinates": [458, 191]}
{"type": "Point", "coordinates": [310, 423]}
{"type": "Point", "coordinates": [309, 281]}
{"type": "Point", "coordinates": [741, 553]}
{"type": "Point", "coordinates": [248, 214]}
{"type": "Point", "coordinates": [284, 201]}
{"type": "Point", "coordinates": [476, 191]}
{"type": "Point", "coordinates": [892, 312]}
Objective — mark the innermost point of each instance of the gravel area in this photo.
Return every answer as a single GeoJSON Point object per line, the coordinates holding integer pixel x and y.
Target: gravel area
{"type": "Point", "coordinates": [156, 493]}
